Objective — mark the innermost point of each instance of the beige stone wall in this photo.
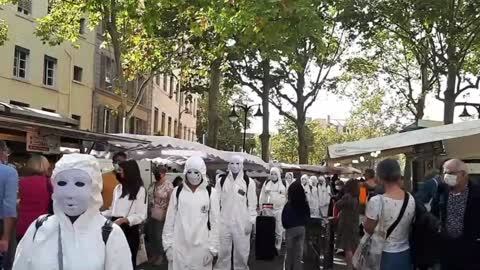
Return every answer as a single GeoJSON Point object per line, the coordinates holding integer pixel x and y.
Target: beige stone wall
{"type": "Point", "coordinates": [169, 105]}
{"type": "Point", "coordinates": [66, 97]}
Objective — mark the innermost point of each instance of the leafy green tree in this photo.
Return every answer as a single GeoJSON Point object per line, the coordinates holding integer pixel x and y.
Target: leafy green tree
{"type": "Point", "coordinates": [137, 54]}
{"type": "Point", "coordinates": [442, 35]}
{"type": "Point", "coordinates": [230, 136]}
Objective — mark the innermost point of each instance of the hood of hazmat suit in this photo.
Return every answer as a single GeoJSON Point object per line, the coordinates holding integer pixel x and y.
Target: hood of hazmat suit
{"type": "Point", "coordinates": [187, 233]}
{"type": "Point", "coordinates": [304, 180]}
{"type": "Point", "coordinates": [238, 203]}
{"type": "Point", "coordinates": [74, 232]}
{"type": "Point", "coordinates": [324, 195]}
{"type": "Point", "coordinates": [289, 178]}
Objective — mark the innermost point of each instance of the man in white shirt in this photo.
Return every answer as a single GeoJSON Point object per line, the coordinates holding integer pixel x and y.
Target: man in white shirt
{"type": "Point", "coordinates": [238, 203]}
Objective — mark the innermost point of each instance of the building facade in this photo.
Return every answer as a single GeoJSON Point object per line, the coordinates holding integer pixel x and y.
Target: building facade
{"type": "Point", "coordinates": [33, 74]}
{"type": "Point", "coordinates": [106, 101]}
{"type": "Point", "coordinates": [174, 113]}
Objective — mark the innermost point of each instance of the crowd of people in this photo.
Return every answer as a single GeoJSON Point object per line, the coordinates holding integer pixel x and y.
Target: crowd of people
{"type": "Point", "coordinates": [72, 217]}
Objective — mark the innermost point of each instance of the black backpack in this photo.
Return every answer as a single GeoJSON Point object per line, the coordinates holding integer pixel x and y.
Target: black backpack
{"type": "Point", "coordinates": [209, 190]}
{"type": "Point", "coordinates": [107, 228]}
{"type": "Point", "coordinates": [245, 178]}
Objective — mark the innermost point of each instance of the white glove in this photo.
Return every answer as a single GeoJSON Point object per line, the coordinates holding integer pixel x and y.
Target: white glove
{"type": "Point", "coordinates": [208, 259]}
{"type": "Point", "coordinates": [169, 254]}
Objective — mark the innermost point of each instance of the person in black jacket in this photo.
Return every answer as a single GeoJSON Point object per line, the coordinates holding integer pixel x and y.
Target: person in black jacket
{"type": "Point", "coordinates": [459, 215]}
{"type": "Point", "coordinates": [295, 216]}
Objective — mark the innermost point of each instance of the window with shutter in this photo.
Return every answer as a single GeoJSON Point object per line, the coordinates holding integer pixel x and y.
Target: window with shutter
{"type": "Point", "coordinates": [25, 7]}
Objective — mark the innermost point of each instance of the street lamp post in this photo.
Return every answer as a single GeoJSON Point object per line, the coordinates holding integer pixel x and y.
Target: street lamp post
{"type": "Point", "coordinates": [233, 117]}
{"type": "Point", "coordinates": [465, 115]}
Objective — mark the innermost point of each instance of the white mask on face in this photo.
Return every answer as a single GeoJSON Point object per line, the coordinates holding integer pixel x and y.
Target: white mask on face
{"type": "Point", "coordinates": [338, 188]}
{"type": "Point", "coordinates": [236, 165]}
{"type": "Point", "coordinates": [450, 179]}
{"type": "Point", "coordinates": [72, 191]}
{"type": "Point", "coordinates": [304, 181]}
{"type": "Point", "coordinates": [194, 177]}
{"type": "Point", "coordinates": [273, 177]}
{"type": "Point", "coordinates": [289, 178]}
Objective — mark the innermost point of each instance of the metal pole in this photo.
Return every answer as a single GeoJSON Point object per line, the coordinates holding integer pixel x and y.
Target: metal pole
{"type": "Point", "coordinates": [246, 109]}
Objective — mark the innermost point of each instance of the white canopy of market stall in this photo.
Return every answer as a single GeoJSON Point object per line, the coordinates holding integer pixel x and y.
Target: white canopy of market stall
{"type": "Point", "coordinates": [178, 151]}
{"type": "Point", "coordinates": [458, 140]}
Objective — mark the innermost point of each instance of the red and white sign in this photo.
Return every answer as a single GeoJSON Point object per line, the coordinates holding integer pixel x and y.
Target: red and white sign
{"type": "Point", "coordinates": [38, 142]}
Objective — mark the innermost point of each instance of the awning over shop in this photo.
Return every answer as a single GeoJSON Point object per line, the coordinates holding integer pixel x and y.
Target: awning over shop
{"type": "Point", "coordinates": [404, 142]}
{"type": "Point", "coordinates": [62, 131]}
{"type": "Point", "coordinates": [319, 169]}
{"type": "Point", "coordinates": [28, 113]}
{"type": "Point", "coordinates": [165, 147]}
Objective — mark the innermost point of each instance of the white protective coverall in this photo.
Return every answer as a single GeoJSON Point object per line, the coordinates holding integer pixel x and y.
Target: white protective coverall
{"type": "Point", "coordinates": [315, 208]}
{"type": "Point", "coordinates": [237, 216]}
{"type": "Point", "coordinates": [187, 240]}
{"type": "Point", "coordinates": [304, 180]}
{"type": "Point", "coordinates": [274, 192]}
{"type": "Point", "coordinates": [77, 183]}
{"type": "Point", "coordinates": [324, 196]}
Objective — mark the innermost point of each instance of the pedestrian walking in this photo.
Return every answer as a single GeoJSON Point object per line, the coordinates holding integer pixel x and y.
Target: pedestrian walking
{"type": "Point", "coordinates": [159, 194]}
{"type": "Point", "coordinates": [295, 216]}
{"type": "Point", "coordinates": [35, 193]}
{"type": "Point", "coordinates": [274, 192]}
{"type": "Point", "coordinates": [324, 196]}
{"type": "Point", "coordinates": [460, 219]}
{"type": "Point", "coordinates": [8, 199]}
{"type": "Point", "coordinates": [129, 206]}
{"type": "Point", "coordinates": [190, 235]}
{"type": "Point", "coordinates": [347, 237]}
{"type": "Point", "coordinates": [390, 215]}
{"type": "Point", "coordinates": [77, 236]}
{"type": "Point", "coordinates": [238, 203]}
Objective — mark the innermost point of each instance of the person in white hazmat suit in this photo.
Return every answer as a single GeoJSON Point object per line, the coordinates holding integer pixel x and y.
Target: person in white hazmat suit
{"type": "Point", "coordinates": [190, 234]}
{"type": "Point", "coordinates": [274, 192]}
{"type": "Point", "coordinates": [324, 196]}
{"type": "Point", "coordinates": [74, 237]}
{"type": "Point", "coordinates": [304, 180]}
{"type": "Point", "coordinates": [238, 203]}
{"type": "Point", "coordinates": [315, 208]}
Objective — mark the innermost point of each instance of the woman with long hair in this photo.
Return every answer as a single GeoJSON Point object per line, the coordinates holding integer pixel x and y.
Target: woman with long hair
{"type": "Point", "coordinates": [35, 193]}
{"type": "Point", "coordinates": [348, 229]}
{"type": "Point", "coordinates": [129, 206]}
{"type": "Point", "coordinates": [295, 216]}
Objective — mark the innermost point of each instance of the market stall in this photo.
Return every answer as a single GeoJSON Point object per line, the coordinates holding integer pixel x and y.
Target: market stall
{"type": "Point", "coordinates": [423, 149]}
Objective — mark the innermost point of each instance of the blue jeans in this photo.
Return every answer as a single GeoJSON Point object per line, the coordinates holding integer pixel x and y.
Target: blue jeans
{"type": "Point", "coordinates": [396, 261]}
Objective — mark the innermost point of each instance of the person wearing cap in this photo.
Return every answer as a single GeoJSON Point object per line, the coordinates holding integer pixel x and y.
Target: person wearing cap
{"type": "Point", "coordinates": [190, 235]}
{"type": "Point", "coordinates": [8, 199]}
{"type": "Point", "coordinates": [77, 236]}
{"type": "Point", "coordinates": [274, 192]}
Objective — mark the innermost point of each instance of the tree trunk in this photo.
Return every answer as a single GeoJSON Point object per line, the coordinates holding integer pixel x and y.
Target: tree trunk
{"type": "Point", "coordinates": [420, 106]}
{"type": "Point", "coordinates": [265, 137]}
{"type": "Point", "coordinates": [213, 94]}
{"type": "Point", "coordinates": [449, 102]}
{"type": "Point", "coordinates": [302, 139]}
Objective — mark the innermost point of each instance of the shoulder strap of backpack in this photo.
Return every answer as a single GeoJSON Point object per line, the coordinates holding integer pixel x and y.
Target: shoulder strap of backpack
{"type": "Point", "coordinates": [39, 224]}
{"type": "Point", "coordinates": [246, 179]}
{"type": "Point", "coordinates": [222, 180]}
{"type": "Point", "coordinates": [400, 216]}
{"type": "Point", "coordinates": [107, 228]}
{"type": "Point", "coordinates": [209, 190]}
{"type": "Point", "coordinates": [177, 194]}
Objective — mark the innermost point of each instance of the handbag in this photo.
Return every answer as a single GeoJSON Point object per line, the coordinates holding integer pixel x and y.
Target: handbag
{"type": "Point", "coordinates": [368, 254]}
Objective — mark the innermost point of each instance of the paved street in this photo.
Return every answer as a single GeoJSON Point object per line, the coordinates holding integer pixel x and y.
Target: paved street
{"type": "Point", "coordinates": [277, 264]}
